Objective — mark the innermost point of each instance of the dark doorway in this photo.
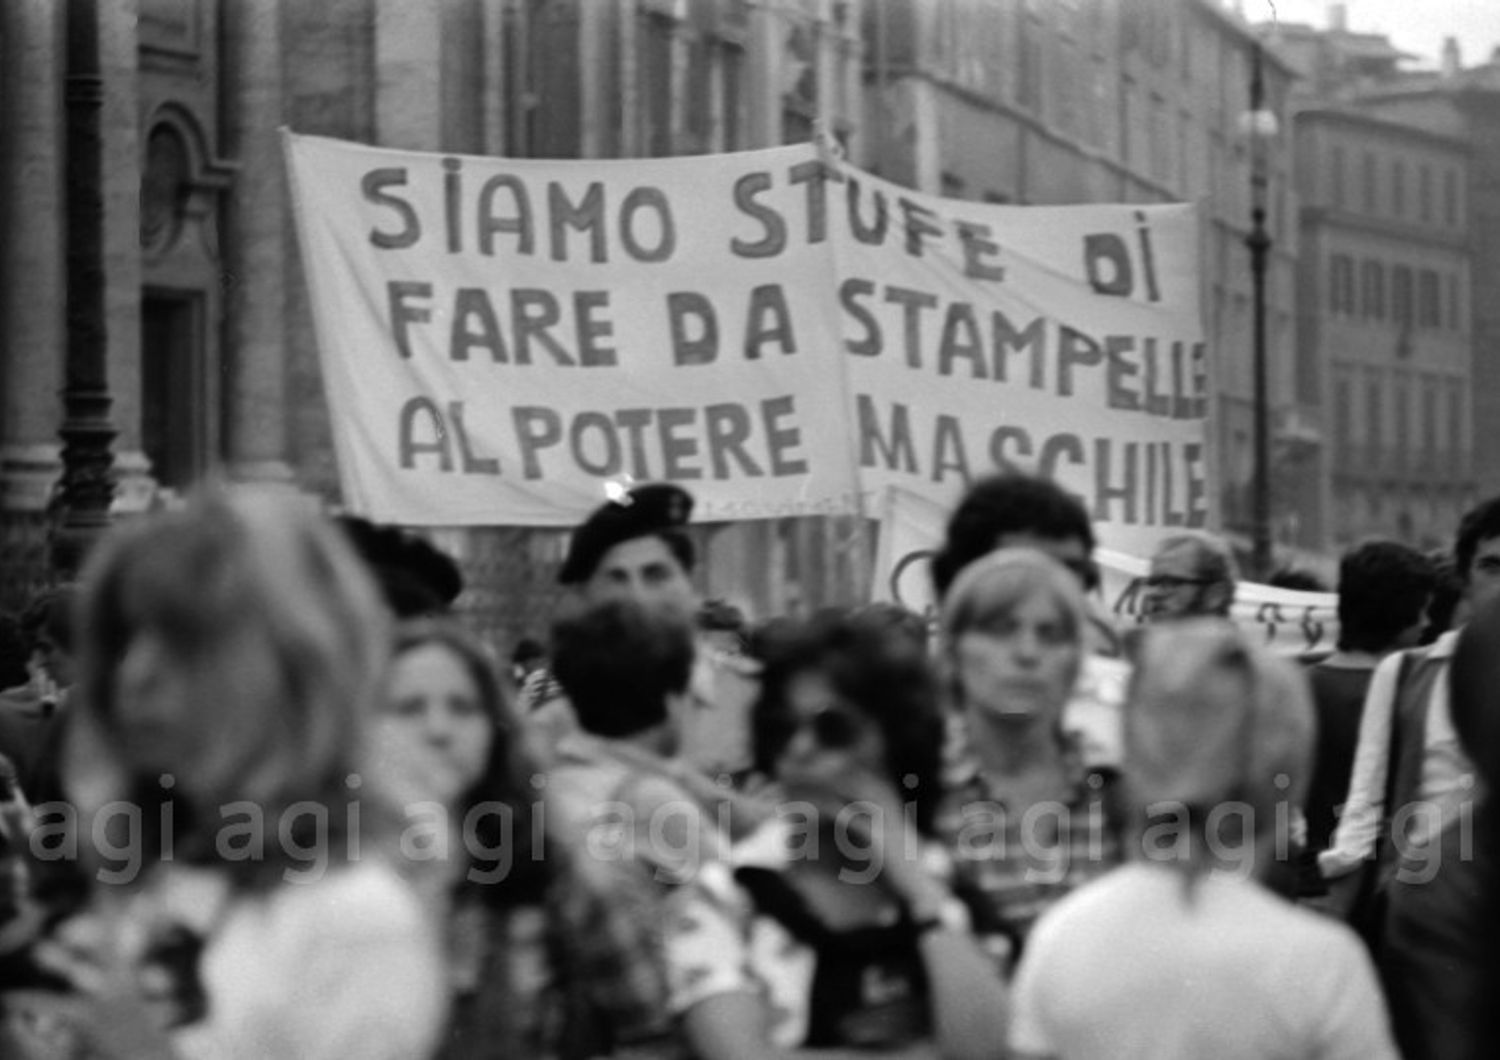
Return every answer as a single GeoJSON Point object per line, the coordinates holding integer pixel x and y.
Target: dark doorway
{"type": "Point", "coordinates": [174, 406]}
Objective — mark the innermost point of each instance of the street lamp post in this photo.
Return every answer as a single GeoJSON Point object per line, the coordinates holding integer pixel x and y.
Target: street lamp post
{"type": "Point", "coordinates": [1262, 126]}
{"type": "Point", "coordinates": [83, 499]}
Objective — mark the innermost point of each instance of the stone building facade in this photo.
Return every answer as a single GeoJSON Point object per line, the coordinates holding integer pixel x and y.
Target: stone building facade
{"type": "Point", "coordinates": [1021, 101]}
{"type": "Point", "coordinates": [211, 360]}
{"type": "Point", "coordinates": [1464, 103]}
{"type": "Point", "coordinates": [1414, 158]}
{"type": "Point", "coordinates": [1385, 340]}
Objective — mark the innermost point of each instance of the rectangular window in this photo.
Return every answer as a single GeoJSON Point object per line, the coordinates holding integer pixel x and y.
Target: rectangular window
{"type": "Point", "coordinates": [1343, 415]}
{"type": "Point", "coordinates": [1185, 156]}
{"type": "Point", "coordinates": [1403, 416]}
{"type": "Point", "coordinates": [1401, 296]}
{"type": "Point", "coordinates": [1161, 36]}
{"type": "Point", "coordinates": [1129, 116]}
{"type": "Point", "coordinates": [1457, 450]}
{"type": "Point", "coordinates": [1398, 188]}
{"type": "Point", "coordinates": [1098, 122]}
{"type": "Point", "coordinates": [1371, 200]}
{"type": "Point", "coordinates": [1160, 142]}
{"type": "Point", "coordinates": [1450, 198]}
{"type": "Point", "coordinates": [1341, 285]}
{"type": "Point", "coordinates": [1374, 414]}
{"type": "Point", "coordinates": [1066, 86]}
{"type": "Point", "coordinates": [657, 64]}
{"type": "Point", "coordinates": [1424, 193]}
{"type": "Point", "coordinates": [1429, 302]}
{"type": "Point", "coordinates": [1430, 420]}
{"type": "Point", "coordinates": [1372, 284]}
{"type": "Point", "coordinates": [1451, 282]}
{"type": "Point", "coordinates": [700, 119]}
{"type": "Point", "coordinates": [1028, 62]}
{"type": "Point", "coordinates": [1185, 46]}
{"type": "Point", "coordinates": [735, 122]}
{"type": "Point", "coordinates": [1336, 163]}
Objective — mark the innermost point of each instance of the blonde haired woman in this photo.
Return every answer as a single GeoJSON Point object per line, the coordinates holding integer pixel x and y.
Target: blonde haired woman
{"type": "Point", "coordinates": [229, 658]}
{"type": "Point", "coordinates": [1026, 820]}
{"type": "Point", "coordinates": [1183, 952]}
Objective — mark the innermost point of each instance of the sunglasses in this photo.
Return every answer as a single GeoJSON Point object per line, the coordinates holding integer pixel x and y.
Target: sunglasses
{"type": "Point", "coordinates": [834, 729]}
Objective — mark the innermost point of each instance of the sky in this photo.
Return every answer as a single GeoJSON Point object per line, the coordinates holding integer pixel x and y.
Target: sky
{"type": "Point", "coordinates": [1416, 26]}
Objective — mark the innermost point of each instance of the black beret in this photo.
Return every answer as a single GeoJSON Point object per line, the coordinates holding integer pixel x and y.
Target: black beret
{"type": "Point", "coordinates": [640, 512]}
{"type": "Point", "coordinates": [414, 577]}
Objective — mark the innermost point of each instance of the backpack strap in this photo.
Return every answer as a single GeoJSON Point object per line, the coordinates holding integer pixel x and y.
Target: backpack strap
{"type": "Point", "coordinates": [1394, 746]}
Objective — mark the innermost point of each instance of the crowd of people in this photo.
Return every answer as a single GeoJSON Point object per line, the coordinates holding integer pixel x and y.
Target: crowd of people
{"type": "Point", "coordinates": [263, 794]}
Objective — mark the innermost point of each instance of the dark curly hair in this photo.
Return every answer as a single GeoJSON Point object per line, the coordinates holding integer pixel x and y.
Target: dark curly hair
{"type": "Point", "coordinates": [1007, 504]}
{"type": "Point", "coordinates": [1384, 587]}
{"type": "Point", "coordinates": [618, 661]}
{"type": "Point", "coordinates": [875, 668]}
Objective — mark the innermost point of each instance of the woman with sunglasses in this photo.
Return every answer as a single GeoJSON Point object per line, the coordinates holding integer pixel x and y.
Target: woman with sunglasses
{"type": "Point", "coordinates": [1027, 821]}
{"type": "Point", "coordinates": [829, 931]}
{"type": "Point", "coordinates": [540, 964]}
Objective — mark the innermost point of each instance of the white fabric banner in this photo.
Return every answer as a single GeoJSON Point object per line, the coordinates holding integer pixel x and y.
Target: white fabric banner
{"type": "Point", "coordinates": [776, 330]}
{"type": "Point", "coordinates": [500, 336]}
{"type": "Point", "coordinates": [1060, 340]}
{"type": "Point", "coordinates": [911, 531]}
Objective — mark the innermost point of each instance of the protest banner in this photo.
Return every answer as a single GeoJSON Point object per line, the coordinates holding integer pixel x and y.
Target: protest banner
{"type": "Point", "coordinates": [1060, 340]}
{"type": "Point", "coordinates": [499, 337]}
{"type": "Point", "coordinates": [777, 330]}
{"type": "Point", "coordinates": [911, 532]}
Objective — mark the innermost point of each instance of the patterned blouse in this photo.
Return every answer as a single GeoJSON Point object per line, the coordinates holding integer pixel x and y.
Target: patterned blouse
{"type": "Point", "coordinates": [571, 977]}
{"type": "Point", "coordinates": [1011, 868]}
{"type": "Point", "coordinates": [741, 928]}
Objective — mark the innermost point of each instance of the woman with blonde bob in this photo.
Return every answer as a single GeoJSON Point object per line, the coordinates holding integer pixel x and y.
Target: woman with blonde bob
{"type": "Point", "coordinates": [1217, 735]}
{"type": "Point", "coordinates": [230, 654]}
{"type": "Point", "coordinates": [1026, 820]}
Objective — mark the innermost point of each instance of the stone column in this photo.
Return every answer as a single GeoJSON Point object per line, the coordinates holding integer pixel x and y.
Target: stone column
{"type": "Point", "coordinates": [494, 94]}
{"type": "Point", "coordinates": [87, 487]}
{"type": "Point", "coordinates": [408, 73]}
{"type": "Point", "coordinates": [764, 73]}
{"type": "Point", "coordinates": [31, 216]}
{"type": "Point", "coordinates": [594, 41]}
{"type": "Point", "coordinates": [255, 250]}
{"type": "Point", "coordinates": [123, 159]}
